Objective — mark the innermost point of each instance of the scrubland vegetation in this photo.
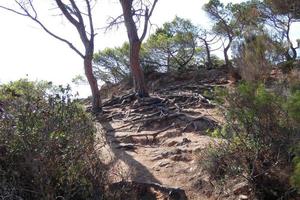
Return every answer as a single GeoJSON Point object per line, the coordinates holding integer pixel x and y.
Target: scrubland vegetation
{"type": "Point", "coordinates": [50, 146]}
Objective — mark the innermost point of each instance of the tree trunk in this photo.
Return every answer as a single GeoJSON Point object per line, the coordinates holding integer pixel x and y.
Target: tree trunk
{"type": "Point", "coordinates": [294, 56]}
{"type": "Point", "coordinates": [288, 57]}
{"type": "Point", "coordinates": [96, 100]}
{"type": "Point", "coordinates": [233, 72]}
{"type": "Point", "coordinates": [138, 74]}
{"type": "Point", "coordinates": [294, 53]}
{"type": "Point", "coordinates": [168, 64]}
{"type": "Point", "coordinates": [135, 45]}
{"type": "Point", "coordinates": [226, 49]}
{"type": "Point", "coordinates": [227, 62]}
{"type": "Point", "coordinates": [209, 62]}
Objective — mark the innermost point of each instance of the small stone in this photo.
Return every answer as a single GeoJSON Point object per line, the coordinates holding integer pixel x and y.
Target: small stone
{"type": "Point", "coordinates": [243, 197]}
{"type": "Point", "coordinates": [126, 147]}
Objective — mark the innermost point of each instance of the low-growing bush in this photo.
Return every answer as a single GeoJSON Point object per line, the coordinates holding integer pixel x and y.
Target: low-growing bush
{"type": "Point", "coordinates": [260, 136]}
{"type": "Point", "coordinates": [47, 145]}
{"type": "Point", "coordinates": [295, 178]}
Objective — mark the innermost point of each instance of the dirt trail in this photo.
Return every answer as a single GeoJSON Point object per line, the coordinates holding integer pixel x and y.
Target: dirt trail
{"type": "Point", "coordinates": [155, 140]}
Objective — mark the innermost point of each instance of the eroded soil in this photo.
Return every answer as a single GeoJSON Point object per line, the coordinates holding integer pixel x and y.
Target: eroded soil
{"type": "Point", "coordinates": [157, 140]}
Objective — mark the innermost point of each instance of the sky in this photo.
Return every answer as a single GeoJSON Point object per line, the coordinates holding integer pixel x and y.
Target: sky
{"type": "Point", "coordinates": [28, 51]}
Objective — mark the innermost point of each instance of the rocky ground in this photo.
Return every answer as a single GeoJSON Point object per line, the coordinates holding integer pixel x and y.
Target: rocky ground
{"type": "Point", "coordinates": [153, 144]}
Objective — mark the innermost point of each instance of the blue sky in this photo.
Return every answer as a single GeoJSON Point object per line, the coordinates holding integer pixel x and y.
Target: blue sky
{"type": "Point", "coordinates": [28, 51]}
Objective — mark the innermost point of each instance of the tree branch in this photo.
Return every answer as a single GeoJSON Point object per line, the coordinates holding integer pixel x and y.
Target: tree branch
{"type": "Point", "coordinates": [147, 17]}
{"type": "Point", "coordinates": [36, 20]}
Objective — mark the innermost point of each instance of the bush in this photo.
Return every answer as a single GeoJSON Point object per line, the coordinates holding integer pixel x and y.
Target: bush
{"type": "Point", "coordinates": [46, 144]}
{"type": "Point", "coordinates": [254, 57]}
{"type": "Point", "coordinates": [295, 178]}
{"type": "Point", "coordinates": [293, 106]}
{"type": "Point", "coordinates": [261, 133]}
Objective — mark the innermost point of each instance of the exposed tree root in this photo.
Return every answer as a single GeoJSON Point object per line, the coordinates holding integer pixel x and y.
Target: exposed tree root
{"type": "Point", "coordinates": [153, 135]}
{"type": "Point", "coordinates": [142, 189]}
{"type": "Point", "coordinates": [119, 100]}
{"type": "Point", "coordinates": [151, 119]}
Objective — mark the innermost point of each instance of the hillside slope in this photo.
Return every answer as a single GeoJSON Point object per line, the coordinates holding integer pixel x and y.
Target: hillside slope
{"type": "Point", "coordinates": [158, 139]}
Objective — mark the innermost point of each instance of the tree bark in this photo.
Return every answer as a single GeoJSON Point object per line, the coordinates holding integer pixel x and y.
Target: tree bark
{"type": "Point", "coordinates": [135, 46]}
{"type": "Point", "coordinates": [226, 49]}
{"type": "Point", "coordinates": [209, 62]}
{"type": "Point", "coordinates": [294, 52]}
{"type": "Point", "coordinates": [138, 74]}
{"type": "Point", "coordinates": [96, 100]}
{"type": "Point", "coordinates": [168, 63]}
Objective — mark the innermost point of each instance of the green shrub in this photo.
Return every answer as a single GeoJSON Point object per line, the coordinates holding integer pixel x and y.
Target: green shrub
{"type": "Point", "coordinates": [295, 178]}
{"type": "Point", "coordinates": [293, 106]}
{"type": "Point", "coordinates": [46, 144]}
{"type": "Point", "coordinates": [261, 133]}
{"type": "Point", "coordinates": [287, 66]}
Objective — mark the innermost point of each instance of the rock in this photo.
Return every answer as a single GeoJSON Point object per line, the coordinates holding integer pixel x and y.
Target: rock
{"type": "Point", "coordinates": [172, 143]}
{"type": "Point", "coordinates": [243, 197]}
{"type": "Point", "coordinates": [241, 188]}
{"type": "Point", "coordinates": [126, 147]}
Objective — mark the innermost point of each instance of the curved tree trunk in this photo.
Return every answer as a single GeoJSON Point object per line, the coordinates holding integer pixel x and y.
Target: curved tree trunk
{"type": "Point", "coordinates": [292, 57]}
{"type": "Point", "coordinates": [135, 46]}
{"type": "Point", "coordinates": [209, 61]}
{"type": "Point", "coordinates": [227, 61]}
{"type": "Point", "coordinates": [294, 52]}
{"type": "Point", "coordinates": [233, 72]}
{"type": "Point", "coordinates": [138, 74]}
{"type": "Point", "coordinates": [168, 63]}
{"type": "Point", "coordinates": [96, 100]}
